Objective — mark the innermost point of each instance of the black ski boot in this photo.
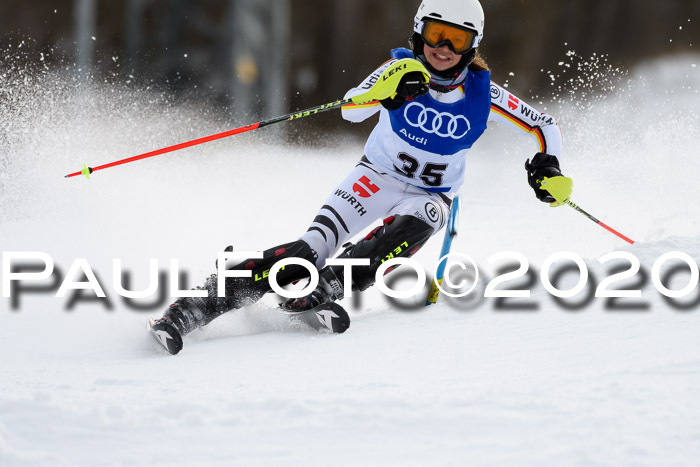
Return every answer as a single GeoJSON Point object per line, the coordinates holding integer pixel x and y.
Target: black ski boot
{"type": "Point", "coordinates": [166, 334]}
{"type": "Point", "coordinates": [190, 313]}
{"type": "Point", "coordinates": [329, 289]}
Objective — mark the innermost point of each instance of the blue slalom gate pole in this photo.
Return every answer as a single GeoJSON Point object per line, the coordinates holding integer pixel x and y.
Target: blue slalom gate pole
{"type": "Point", "coordinates": [450, 233]}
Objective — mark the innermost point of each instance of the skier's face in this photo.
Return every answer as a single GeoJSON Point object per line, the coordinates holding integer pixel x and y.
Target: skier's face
{"type": "Point", "coordinates": [441, 58]}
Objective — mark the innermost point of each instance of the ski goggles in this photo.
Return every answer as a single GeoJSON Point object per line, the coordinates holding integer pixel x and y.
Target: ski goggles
{"type": "Point", "coordinates": [436, 34]}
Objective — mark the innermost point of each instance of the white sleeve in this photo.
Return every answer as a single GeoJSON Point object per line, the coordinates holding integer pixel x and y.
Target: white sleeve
{"type": "Point", "coordinates": [360, 112]}
{"type": "Point", "coordinates": [513, 112]}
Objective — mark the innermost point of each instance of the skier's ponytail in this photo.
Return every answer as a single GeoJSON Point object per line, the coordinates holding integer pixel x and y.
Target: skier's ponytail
{"type": "Point", "coordinates": [479, 63]}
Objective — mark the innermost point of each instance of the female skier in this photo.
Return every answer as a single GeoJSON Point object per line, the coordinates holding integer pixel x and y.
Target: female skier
{"type": "Point", "coordinates": [414, 158]}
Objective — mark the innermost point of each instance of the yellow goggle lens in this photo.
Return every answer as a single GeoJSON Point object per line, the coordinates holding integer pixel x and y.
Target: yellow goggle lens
{"type": "Point", "coordinates": [436, 34]}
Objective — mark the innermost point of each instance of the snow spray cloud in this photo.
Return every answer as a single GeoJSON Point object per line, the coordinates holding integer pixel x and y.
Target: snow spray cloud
{"type": "Point", "coordinates": [52, 116]}
{"type": "Point", "coordinates": [25, 273]}
{"type": "Point", "coordinates": [631, 137]}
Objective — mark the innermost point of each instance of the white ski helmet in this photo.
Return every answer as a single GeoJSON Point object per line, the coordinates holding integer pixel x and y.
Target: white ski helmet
{"type": "Point", "coordinates": [463, 14]}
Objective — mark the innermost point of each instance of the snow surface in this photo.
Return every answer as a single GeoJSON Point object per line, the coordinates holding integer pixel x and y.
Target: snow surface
{"type": "Point", "coordinates": [459, 383]}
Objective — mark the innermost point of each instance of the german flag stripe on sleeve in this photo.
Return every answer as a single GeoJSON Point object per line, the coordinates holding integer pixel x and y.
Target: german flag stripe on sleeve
{"type": "Point", "coordinates": [533, 130]}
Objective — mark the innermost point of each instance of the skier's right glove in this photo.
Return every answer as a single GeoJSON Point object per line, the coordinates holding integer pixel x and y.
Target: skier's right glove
{"type": "Point", "coordinates": [411, 86]}
{"type": "Point", "coordinates": [542, 165]}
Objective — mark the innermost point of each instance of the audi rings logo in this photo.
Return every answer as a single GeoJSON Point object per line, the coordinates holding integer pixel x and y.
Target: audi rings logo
{"type": "Point", "coordinates": [443, 124]}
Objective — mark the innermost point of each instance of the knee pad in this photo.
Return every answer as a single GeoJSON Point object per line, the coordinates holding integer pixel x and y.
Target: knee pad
{"type": "Point", "coordinates": [258, 285]}
{"type": "Point", "coordinates": [241, 291]}
{"type": "Point", "coordinates": [399, 236]}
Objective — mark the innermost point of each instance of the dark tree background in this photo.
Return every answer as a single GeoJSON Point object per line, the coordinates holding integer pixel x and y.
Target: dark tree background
{"type": "Point", "coordinates": [316, 49]}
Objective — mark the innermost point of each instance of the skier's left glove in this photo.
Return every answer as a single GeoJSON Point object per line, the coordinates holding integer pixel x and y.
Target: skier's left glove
{"type": "Point", "coordinates": [542, 165]}
{"type": "Point", "coordinates": [410, 87]}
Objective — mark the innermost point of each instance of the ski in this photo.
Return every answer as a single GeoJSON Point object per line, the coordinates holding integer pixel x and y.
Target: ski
{"type": "Point", "coordinates": [329, 316]}
{"type": "Point", "coordinates": [166, 335]}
